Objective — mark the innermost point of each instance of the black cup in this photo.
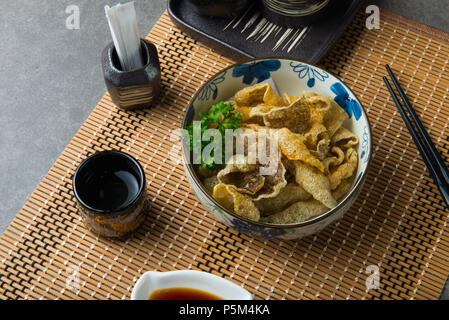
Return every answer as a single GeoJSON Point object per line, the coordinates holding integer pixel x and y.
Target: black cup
{"type": "Point", "coordinates": [109, 188]}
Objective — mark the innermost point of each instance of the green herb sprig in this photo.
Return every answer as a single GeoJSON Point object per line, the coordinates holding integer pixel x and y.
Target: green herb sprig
{"type": "Point", "coordinates": [220, 117]}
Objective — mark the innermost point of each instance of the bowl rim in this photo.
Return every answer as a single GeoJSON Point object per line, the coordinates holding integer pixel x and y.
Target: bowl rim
{"type": "Point", "coordinates": [197, 181]}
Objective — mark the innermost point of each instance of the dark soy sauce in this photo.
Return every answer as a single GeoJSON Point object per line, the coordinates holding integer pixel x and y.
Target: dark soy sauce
{"type": "Point", "coordinates": [182, 294]}
{"type": "Point", "coordinates": [112, 190]}
{"type": "Point", "coordinates": [109, 183]}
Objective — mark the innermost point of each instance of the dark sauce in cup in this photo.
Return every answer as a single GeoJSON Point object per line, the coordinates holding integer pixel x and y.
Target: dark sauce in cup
{"type": "Point", "coordinates": [111, 190]}
{"type": "Point", "coordinates": [109, 187]}
{"type": "Point", "coordinates": [109, 183]}
{"type": "Point", "coordinates": [182, 294]}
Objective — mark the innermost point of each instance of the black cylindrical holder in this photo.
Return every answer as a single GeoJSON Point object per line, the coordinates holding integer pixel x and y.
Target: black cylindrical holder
{"type": "Point", "coordinates": [136, 88]}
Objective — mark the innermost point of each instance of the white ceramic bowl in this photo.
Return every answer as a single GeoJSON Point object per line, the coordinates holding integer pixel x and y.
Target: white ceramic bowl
{"type": "Point", "coordinates": [153, 280]}
{"type": "Point", "coordinates": [293, 77]}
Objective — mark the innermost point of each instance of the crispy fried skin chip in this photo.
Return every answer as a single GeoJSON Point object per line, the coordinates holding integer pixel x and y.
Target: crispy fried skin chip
{"type": "Point", "coordinates": [345, 170]}
{"type": "Point", "coordinates": [298, 212]}
{"type": "Point", "coordinates": [290, 99]}
{"type": "Point", "coordinates": [304, 210]}
{"type": "Point", "coordinates": [322, 148]}
{"type": "Point", "coordinates": [316, 132]}
{"type": "Point", "coordinates": [324, 110]}
{"type": "Point", "coordinates": [344, 138]}
{"type": "Point", "coordinates": [235, 201]}
{"type": "Point", "coordinates": [288, 195]}
{"type": "Point", "coordinates": [315, 147]}
{"type": "Point", "coordinates": [243, 176]}
{"type": "Point", "coordinates": [246, 116]}
{"type": "Point", "coordinates": [337, 158]}
{"type": "Point", "coordinates": [254, 114]}
{"type": "Point", "coordinates": [317, 140]}
{"type": "Point", "coordinates": [292, 146]}
{"type": "Point", "coordinates": [254, 100]}
{"type": "Point", "coordinates": [273, 184]}
{"type": "Point", "coordinates": [248, 182]}
{"type": "Point", "coordinates": [334, 117]}
{"type": "Point", "coordinates": [257, 94]}
{"type": "Point", "coordinates": [313, 181]}
{"type": "Point", "coordinates": [295, 117]}
{"type": "Point", "coordinates": [342, 189]}
{"type": "Point", "coordinates": [248, 178]}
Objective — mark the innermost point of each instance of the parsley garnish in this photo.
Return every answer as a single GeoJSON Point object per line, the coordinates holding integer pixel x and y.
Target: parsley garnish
{"type": "Point", "coordinates": [221, 117]}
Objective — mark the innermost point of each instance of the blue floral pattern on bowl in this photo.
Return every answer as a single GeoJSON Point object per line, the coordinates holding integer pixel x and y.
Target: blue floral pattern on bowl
{"type": "Point", "coordinates": [351, 106]}
{"type": "Point", "coordinates": [211, 89]}
{"type": "Point", "coordinates": [256, 70]}
{"type": "Point", "coordinates": [304, 70]}
{"type": "Point", "coordinates": [365, 145]}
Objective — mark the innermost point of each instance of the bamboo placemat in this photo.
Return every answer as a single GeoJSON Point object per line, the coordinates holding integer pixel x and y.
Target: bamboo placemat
{"type": "Point", "coordinates": [398, 224]}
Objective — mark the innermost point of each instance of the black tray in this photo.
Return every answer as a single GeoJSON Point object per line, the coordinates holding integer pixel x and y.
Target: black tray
{"type": "Point", "coordinates": [230, 37]}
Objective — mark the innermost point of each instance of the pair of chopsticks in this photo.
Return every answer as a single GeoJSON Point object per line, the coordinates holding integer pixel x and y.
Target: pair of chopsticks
{"type": "Point", "coordinates": [429, 153]}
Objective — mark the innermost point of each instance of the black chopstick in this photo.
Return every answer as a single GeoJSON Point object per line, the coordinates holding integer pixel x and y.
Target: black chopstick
{"type": "Point", "coordinates": [421, 129]}
{"type": "Point", "coordinates": [429, 153]}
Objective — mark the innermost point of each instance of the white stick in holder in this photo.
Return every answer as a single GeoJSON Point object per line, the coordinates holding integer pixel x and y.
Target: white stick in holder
{"type": "Point", "coordinates": [123, 24]}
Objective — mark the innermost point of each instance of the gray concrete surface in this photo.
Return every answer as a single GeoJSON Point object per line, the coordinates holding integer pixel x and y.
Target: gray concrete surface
{"type": "Point", "coordinates": [51, 80]}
